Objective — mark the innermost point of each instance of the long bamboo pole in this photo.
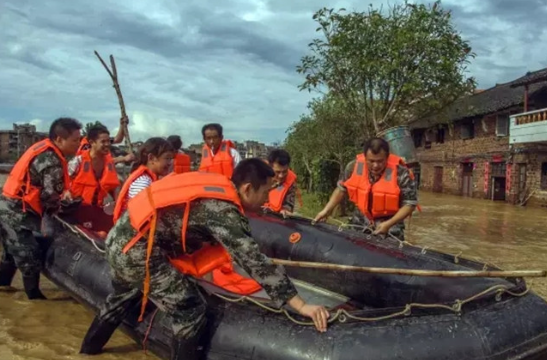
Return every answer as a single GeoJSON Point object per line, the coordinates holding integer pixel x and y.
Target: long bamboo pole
{"type": "Point", "coordinates": [413, 272]}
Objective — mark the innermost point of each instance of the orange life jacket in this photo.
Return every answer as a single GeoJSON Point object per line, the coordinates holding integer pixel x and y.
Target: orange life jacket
{"type": "Point", "coordinates": [221, 163]}
{"type": "Point", "coordinates": [18, 186]}
{"type": "Point", "coordinates": [277, 195]}
{"type": "Point", "coordinates": [121, 202]}
{"type": "Point", "coordinates": [84, 145]}
{"type": "Point", "coordinates": [385, 192]}
{"type": "Point", "coordinates": [182, 189]}
{"type": "Point", "coordinates": [181, 163]}
{"type": "Point", "coordinates": [86, 185]}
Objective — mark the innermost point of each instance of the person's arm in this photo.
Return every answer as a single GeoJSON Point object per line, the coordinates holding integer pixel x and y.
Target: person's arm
{"type": "Point", "coordinates": [124, 158]}
{"type": "Point", "coordinates": [230, 228]}
{"type": "Point", "coordinates": [337, 195]}
{"type": "Point", "coordinates": [235, 156]}
{"type": "Point", "coordinates": [289, 200]}
{"type": "Point", "coordinates": [52, 177]}
{"type": "Point", "coordinates": [74, 166]}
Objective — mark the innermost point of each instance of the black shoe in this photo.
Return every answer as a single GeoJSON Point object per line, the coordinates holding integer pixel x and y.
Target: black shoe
{"type": "Point", "coordinates": [32, 287]}
{"type": "Point", "coordinates": [7, 272]}
{"type": "Point", "coordinates": [97, 336]}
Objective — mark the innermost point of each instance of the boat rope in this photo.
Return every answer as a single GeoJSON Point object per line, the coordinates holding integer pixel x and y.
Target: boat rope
{"type": "Point", "coordinates": [81, 233]}
{"type": "Point", "coordinates": [343, 315]}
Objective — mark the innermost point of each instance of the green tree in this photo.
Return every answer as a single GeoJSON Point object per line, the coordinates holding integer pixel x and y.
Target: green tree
{"type": "Point", "coordinates": [389, 66]}
{"type": "Point", "coordinates": [303, 144]}
{"type": "Point", "coordinates": [89, 125]}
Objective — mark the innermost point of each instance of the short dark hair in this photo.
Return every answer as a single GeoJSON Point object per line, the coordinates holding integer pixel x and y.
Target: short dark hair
{"type": "Point", "coordinates": [279, 156]}
{"type": "Point", "coordinates": [254, 171]}
{"type": "Point", "coordinates": [212, 126]}
{"type": "Point", "coordinates": [63, 128]}
{"type": "Point", "coordinates": [376, 145]}
{"type": "Point", "coordinates": [154, 146]}
{"type": "Point", "coordinates": [96, 130]}
{"type": "Point", "coordinates": [175, 141]}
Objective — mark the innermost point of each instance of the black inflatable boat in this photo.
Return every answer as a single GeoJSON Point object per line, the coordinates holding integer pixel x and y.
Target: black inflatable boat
{"type": "Point", "coordinates": [380, 317]}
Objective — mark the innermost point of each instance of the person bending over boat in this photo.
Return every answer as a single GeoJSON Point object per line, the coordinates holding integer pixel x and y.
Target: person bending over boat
{"type": "Point", "coordinates": [154, 159]}
{"type": "Point", "coordinates": [209, 210]}
{"type": "Point", "coordinates": [382, 188]}
{"type": "Point", "coordinates": [218, 155]}
{"type": "Point", "coordinates": [181, 162]}
{"type": "Point", "coordinates": [93, 173]}
{"type": "Point", "coordinates": [282, 196]}
{"type": "Point", "coordinates": [35, 187]}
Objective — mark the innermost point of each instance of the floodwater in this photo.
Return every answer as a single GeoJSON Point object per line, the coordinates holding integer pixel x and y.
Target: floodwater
{"type": "Point", "coordinates": [504, 235]}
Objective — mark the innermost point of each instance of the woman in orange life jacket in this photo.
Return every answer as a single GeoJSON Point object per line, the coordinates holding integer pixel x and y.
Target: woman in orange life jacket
{"type": "Point", "coordinates": [154, 159]}
{"type": "Point", "coordinates": [181, 162]}
{"type": "Point", "coordinates": [209, 208]}
{"type": "Point", "coordinates": [33, 191]}
{"type": "Point", "coordinates": [382, 188]}
{"type": "Point", "coordinates": [93, 174]}
{"type": "Point", "coordinates": [217, 155]}
{"type": "Point", "coordinates": [282, 196]}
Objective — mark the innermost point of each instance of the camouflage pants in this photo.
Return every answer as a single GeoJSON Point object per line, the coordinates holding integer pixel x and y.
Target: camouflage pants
{"type": "Point", "coordinates": [397, 230]}
{"type": "Point", "coordinates": [170, 290]}
{"type": "Point", "coordinates": [20, 250]}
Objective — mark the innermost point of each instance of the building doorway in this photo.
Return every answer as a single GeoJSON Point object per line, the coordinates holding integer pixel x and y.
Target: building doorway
{"type": "Point", "coordinates": [438, 179]}
{"type": "Point", "coordinates": [498, 181]}
{"type": "Point", "coordinates": [467, 179]}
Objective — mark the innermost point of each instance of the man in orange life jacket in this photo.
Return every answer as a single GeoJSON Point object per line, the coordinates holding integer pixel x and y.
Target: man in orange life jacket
{"type": "Point", "coordinates": [214, 220]}
{"type": "Point", "coordinates": [382, 188]}
{"type": "Point", "coordinates": [218, 155]}
{"type": "Point", "coordinates": [34, 189]}
{"type": "Point", "coordinates": [93, 173]}
{"type": "Point", "coordinates": [282, 196]}
{"type": "Point", "coordinates": [181, 162]}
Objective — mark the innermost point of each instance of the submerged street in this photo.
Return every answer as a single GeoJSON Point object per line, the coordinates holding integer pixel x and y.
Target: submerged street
{"type": "Point", "coordinates": [508, 236]}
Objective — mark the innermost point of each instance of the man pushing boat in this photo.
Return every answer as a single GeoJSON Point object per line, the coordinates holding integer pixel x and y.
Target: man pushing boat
{"type": "Point", "coordinates": [199, 218]}
{"type": "Point", "coordinates": [34, 188]}
{"type": "Point", "coordinates": [382, 188]}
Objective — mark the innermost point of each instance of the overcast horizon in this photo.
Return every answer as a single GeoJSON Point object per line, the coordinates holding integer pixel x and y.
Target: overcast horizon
{"type": "Point", "coordinates": [183, 65]}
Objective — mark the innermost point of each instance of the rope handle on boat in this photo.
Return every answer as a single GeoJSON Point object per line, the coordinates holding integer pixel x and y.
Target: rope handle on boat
{"type": "Point", "coordinates": [77, 232]}
{"type": "Point", "coordinates": [343, 315]}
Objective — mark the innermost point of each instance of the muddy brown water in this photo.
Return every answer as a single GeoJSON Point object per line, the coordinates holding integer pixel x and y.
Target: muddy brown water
{"type": "Point", "coordinates": [507, 236]}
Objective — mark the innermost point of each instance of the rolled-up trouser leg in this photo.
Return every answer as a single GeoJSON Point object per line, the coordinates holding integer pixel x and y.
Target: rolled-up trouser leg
{"type": "Point", "coordinates": [110, 317]}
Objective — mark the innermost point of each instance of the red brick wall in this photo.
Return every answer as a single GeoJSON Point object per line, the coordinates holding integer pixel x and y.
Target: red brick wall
{"type": "Point", "coordinates": [456, 150]}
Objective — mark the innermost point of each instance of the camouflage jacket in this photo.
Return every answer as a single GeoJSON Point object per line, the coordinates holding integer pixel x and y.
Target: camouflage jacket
{"type": "Point", "coordinates": [46, 173]}
{"type": "Point", "coordinates": [290, 199]}
{"type": "Point", "coordinates": [409, 193]}
{"type": "Point", "coordinates": [210, 220]}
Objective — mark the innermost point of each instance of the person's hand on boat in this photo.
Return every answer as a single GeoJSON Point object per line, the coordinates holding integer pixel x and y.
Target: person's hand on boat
{"type": "Point", "coordinates": [321, 216]}
{"type": "Point", "coordinates": [285, 213]}
{"type": "Point", "coordinates": [318, 314]}
{"type": "Point", "coordinates": [66, 196]}
{"type": "Point", "coordinates": [382, 228]}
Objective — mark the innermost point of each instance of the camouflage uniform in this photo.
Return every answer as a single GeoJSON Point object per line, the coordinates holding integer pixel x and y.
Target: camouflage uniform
{"type": "Point", "coordinates": [210, 220]}
{"type": "Point", "coordinates": [409, 196]}
{"type": "Point", "coordinates": [21, 250]}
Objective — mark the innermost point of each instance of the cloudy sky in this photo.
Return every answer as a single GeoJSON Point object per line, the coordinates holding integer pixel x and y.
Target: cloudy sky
{"type": "Point", "coordinates": [184, 63]}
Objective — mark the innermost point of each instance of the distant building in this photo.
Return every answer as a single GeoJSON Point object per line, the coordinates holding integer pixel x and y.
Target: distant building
{"type": "Point", "coordinates": [13, 143]}
{"type": "Point", "coordinates": [492, 144]}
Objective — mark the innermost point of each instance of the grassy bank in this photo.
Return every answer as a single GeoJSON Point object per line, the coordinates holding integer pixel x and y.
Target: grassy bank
{"type": "Point", "coordinates": [312, 205]}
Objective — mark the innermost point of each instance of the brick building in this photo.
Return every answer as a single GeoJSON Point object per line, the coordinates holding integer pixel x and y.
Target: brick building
{"type": "Point", "coordinates": [13, 143]}
{"type": "Point", "coordinates": [474, 148]}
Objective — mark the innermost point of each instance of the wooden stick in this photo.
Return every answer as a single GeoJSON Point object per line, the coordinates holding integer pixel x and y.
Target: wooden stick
{"type": "Point", "coordinates": [413, 272]}
{"type": "Point", "coordinates": [114, 76]}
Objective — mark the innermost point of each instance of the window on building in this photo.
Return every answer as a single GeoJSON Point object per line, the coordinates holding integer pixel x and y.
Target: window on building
{"type": "Point", "coordinates": [418, 137]}
{"type": "Point", "coordinates": [502, 125]}
{"type": "Point", "coordinates": [543, 184]}
{"type": "Point", "coordinates": [498, 169]}
{"type": "Point", "coordinates": [467, 130]}
{"type": "Point", "coordinates": [427, 144]}
{"type": "Point", "coordinates": [439, 139]}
